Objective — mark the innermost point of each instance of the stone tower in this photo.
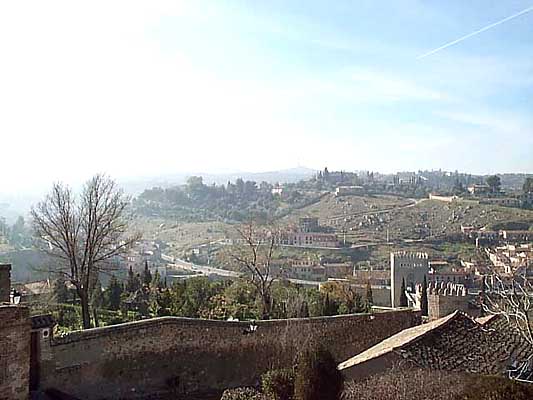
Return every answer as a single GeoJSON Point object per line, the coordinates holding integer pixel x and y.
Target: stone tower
{"type": "Point", "coordinates": [409, 266]}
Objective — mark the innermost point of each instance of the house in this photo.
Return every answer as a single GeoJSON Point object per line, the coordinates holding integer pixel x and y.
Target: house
{"type": "Point", "coordinates": [479, 189]}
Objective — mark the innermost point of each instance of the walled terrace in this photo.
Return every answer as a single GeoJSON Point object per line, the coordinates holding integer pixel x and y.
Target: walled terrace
{"type": "Point", "coordinates": [187, 356]}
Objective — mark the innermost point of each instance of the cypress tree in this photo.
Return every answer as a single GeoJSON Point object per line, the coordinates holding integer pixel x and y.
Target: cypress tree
{"type": "Point", "coordinates": [146, 277]}
{"type": "Point", "coordinates": [317, 376]}
{"type": "Point", "coordinates": [113, 293]}
{"type": "Point", "coordinates": [424, 298]}
{"type": "Point", "coordinates": [132, 283]}
{"type": "Point", "coordinates": [403, 296]}
{"type": "Point", "coordinates": [369, 297]}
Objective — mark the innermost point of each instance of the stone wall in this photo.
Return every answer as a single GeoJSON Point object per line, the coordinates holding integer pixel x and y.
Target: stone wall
{"type": "Point", "coordinates": [197, 356]}
{"type": "Point", "coordinates": [5, 282]}
{"type": "Point", "coordinates": [440, 305]}
{"type": "Point", "coordinates": [14, 352]}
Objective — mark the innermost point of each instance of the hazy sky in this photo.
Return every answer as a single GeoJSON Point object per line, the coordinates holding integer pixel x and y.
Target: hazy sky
{"type": "Point", "coordinates": [147, 87]}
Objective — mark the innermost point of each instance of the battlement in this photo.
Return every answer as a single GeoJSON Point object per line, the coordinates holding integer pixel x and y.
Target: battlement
{"type": "Point", "coordinates": [409, 255]}
{"type": "Point", "coordinates": [447, 289]}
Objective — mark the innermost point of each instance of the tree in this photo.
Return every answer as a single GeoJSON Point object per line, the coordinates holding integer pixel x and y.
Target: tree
{"type": "Point", "coordinates": [512, 299]}
{"type": "Point", "coordinates": [528, 185]}
{"type": "Point", "coordinates": [255, 258]}
{"type": "Point", "coordinates": [156, 281]}
{"type": "Point", "coordinates": [317, 376]}
{"type": "Point", "coordinates": [494, 183]}
{"type": "Point", "coordinates": [403, 296]}
{"type": "Point", "coordinates": [97, 299]}
{"type": "Point", "coordinates": [424, 298]}
{"type": "Point", "coordinates": [85, 233]}
{"type": "Point", "coordinates": [146, 276]}
{"type": "Point", "coordinates": [133, 283]}
{"type": "Point", "coordinates": [113, 294]}
{"type": "Point", "coordinates": [369, 298]}
{"type": "Point", "coordinates": [61, 293]}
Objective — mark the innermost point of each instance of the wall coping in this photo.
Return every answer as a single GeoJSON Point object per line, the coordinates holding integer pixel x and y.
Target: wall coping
{"type": "Point", "coordinates": [91, 333]}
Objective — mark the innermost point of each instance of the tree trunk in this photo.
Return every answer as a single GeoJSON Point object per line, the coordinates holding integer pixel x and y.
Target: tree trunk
{"type": "Point", "coordinates": [95, 318]}
{"type": "Point", "coordinates": [85, 312]}
{"type": "Point", "coordinates": [267, 306]}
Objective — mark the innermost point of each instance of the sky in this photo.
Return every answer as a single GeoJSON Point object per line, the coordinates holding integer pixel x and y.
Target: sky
{"type": "Point", "coordinates": [142, 88]}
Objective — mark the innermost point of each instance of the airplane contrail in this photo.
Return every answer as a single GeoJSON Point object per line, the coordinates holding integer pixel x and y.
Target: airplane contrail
{"type": "Point", "coordinates": [475, 33]}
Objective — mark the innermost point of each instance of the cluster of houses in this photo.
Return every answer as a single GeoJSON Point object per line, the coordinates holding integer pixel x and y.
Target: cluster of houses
{"type": "Point", "coordinates": [308, 233]}
{"type": "Point", "coordinates": [510, 259]}
{"type": "Point", "coordinates": [484, 236]}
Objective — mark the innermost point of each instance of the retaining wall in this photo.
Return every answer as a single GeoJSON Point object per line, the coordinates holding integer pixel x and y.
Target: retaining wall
{"type": "Point", "coordinates": [189, 356]}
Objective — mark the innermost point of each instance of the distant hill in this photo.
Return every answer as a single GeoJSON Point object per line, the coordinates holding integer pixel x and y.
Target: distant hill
{"type": "Point", "coordinates": [137, 186]}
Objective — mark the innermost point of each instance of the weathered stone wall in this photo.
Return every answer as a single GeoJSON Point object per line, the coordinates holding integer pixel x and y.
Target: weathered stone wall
{"type": "Point", "coordinates": [14, 352]}
{"type": "Point", "coordinates": [195, 356]}
{"type": "Point", "coordinates": [440, 305]}
{"type": "Point", "coordinates": [5, 282]}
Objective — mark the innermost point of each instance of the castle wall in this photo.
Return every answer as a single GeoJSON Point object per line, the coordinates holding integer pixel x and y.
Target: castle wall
{"type": "Point", "coordinates": [14, 352]}
{"type": "Point", "coordinates": [5, 282]}
{"type": "Point", "coordinates": [197, 356]}
{"type": "Point", "coordinates": [440, 306]}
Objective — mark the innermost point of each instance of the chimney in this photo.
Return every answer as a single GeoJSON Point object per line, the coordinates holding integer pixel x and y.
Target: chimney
{"type": "Point", "coordinates": [5, 282]}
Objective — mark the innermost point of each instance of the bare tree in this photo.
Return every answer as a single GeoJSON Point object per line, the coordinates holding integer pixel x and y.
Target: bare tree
{"type": "Point", "coordinates": [85, 233]}
{"type": "Point", "coordinates": [512, 299]}
{"type": "Point", "coordinates": [255, 258]}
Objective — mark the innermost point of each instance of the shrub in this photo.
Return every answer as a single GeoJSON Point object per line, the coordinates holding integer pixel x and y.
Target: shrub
{"type": "Point", "coordinates": [242, 394]}
{"type": "Point", "coordinates": [317, 377]}
{"type": "Point", "coordinates": [278, 384]}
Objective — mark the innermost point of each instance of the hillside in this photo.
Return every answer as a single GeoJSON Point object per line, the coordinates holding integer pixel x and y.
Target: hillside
{"type": "Point", "coordinates": [370, 218]}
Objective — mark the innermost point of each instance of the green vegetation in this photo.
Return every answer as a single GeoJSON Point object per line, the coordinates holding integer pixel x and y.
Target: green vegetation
{"type": "Point", "coordinates": [314, 377]}
{"type": "Point", "coordinates": [494, 183]}
{"type": "Point", "coordinates": [278, 384]}
{"type": "Point", "coordinates": [317, 376]}
{"type": "Point", "coordinates": [237, 201]}
{"type": "Point", "coordinates": [196, 298]}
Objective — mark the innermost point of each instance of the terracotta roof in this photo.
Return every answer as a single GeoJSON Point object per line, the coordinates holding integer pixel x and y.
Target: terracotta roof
{"type": "Point", "coordinates": [454, 343]}
{"type": "Point", "coordinates": [396, 341]}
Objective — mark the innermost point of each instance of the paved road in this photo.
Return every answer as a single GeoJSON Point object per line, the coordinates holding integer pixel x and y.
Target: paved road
{"type": "Point", "coordinates": [205, 270]}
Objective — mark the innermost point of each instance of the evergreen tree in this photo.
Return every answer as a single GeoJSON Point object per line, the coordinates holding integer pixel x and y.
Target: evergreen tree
{"type": "Point", "coordinates": [146, 277]}
{"type": "Point", "coordinates": [528, 186]}
{"type": "Point", "coordinates": [369, 300]}
{"type": "Point", "coordinates": [61, 293]}
{"type": "Point", "coordinates": [113, 294]}
{"type": "Point", "coordinates": [424, 298]}
{"type": "Point", "coordinates": [403, 296]}
{"type": "Point", "coordinates": [132, 284]}
{"type": "Point", "coordinates": [317, 376]}
{"type": "Point", "coordinates": [156, 281]}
